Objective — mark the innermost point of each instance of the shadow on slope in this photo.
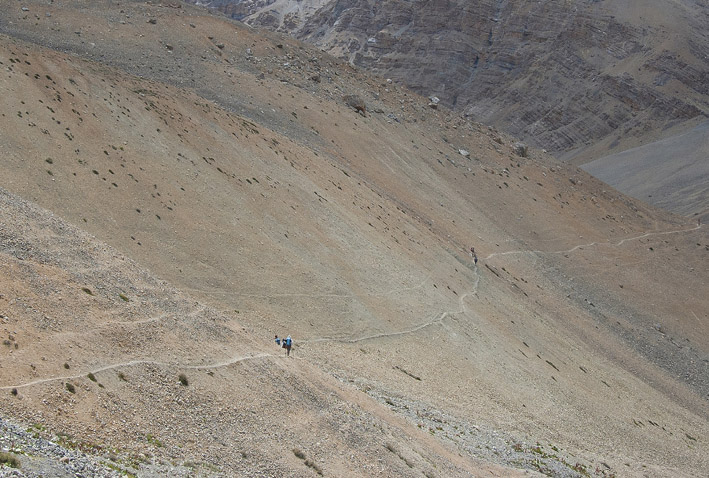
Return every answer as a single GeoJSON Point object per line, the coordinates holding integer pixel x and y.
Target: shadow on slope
{"type": "Point", "coordinates": [672, 173]}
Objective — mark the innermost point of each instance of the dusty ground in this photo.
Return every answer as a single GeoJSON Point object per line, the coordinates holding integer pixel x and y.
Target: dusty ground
{"type": "Point", "coordinates": [204, 217]}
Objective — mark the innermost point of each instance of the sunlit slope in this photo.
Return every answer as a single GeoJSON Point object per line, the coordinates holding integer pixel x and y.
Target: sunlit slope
{"type": "Point", "coordinates": [352, 233]}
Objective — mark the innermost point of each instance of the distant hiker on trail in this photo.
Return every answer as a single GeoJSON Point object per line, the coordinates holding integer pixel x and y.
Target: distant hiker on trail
{"type": "Point", "coordinates": [278, 341]}
{"type": "Point", "coordinates": [474, 255]}
{"type": "Point", "coordinates": [287, 343]}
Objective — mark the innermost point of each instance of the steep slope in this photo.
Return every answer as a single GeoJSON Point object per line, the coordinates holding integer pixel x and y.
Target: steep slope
{"type": "Point", "coordinates": [579, 79]}
{"type": "Point", "coordinates": [583, 80]}
{"type": "Point", "coordinates": [672, 173]}
{"type": "Point", "coordinates": [228, 164]}
{"type": "Point", "coordinates": [128, 369]}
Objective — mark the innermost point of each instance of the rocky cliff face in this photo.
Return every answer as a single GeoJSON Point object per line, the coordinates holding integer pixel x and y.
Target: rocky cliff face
{"type": "Point", "coordinates": [580, 79]}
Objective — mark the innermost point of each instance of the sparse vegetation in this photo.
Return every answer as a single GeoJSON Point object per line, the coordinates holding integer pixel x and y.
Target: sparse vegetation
{"type": "Point", "coordinates": [124, 297]}
{"type": "Point", "coordinates": [70, 387]}
{"type": "Point", "coordinates": [91, 377]}
{"type": "Point", "coordinates": [8, 459]}
{"type": "Point", "coordinates": [309, 463]}
{"type": "Point", "coordinates": [122, 376]}
{"type": "Point", "coordinates": [183, 379]}
{"type": "Point", "coordinates": [87, 290]}
{"type": "Point", "coordinates": [154, 441]}
{"type": "Point", "coordinates": [120, 470]}
{"type": "Point", "coordinates": [315, 467]}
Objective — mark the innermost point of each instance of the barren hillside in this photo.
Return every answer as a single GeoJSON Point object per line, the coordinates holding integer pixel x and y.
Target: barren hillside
{"type": "Point", "coordinates": [178, 188]}
{"type": "Point", "coordinates": [583, 80]}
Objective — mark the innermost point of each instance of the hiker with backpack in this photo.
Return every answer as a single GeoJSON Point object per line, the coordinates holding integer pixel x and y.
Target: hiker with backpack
{"type": "Point", "coordinates": [287, 343]}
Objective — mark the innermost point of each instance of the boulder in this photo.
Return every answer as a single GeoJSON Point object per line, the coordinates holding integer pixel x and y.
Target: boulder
{"type": "Point", "coordinates": [357, 103]}
{"type": "Point", "coordinates": [521, 149]}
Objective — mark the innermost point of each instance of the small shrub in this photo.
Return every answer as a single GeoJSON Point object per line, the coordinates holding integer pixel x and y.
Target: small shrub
{"type": "Point", "coordinates": [70, 387]}
{"type": "Point", "coordinates": [87, 290]}
{"type": "Point", "coordinates": [14, 391]}
{"type": "Point", "coordinates": [66, 366]}
{"type": "Point", "coordinates": [154, 441]}
{"type": "Point", "coordinates": [122, 376]}
{"type": "Point", "coordinates": [124, 297]}
{"type": "Point", "coordinates": [183, 379]}
{"type": "Point", "coordinates": [9, 460]}
{"type": "Point", "coordinates": [92, 377]}
{"type": "Point", "coordinates": [315, 467]}
{"type": "Point", "coordinates": [308, 463]}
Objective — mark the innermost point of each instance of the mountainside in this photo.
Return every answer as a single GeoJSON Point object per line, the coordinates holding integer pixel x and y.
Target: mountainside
{"type": "Point", "coordinates": [579, 79]}
{"type": "Point", "coordinates": [177, 188]}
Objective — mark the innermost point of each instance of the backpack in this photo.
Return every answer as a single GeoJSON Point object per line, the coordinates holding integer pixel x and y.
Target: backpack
{"type": "Point", "coordinates": [288, 342]}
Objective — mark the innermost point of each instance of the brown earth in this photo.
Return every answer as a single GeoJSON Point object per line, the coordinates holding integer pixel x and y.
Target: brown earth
{"type": "Point", "coordinates": [209, 187]}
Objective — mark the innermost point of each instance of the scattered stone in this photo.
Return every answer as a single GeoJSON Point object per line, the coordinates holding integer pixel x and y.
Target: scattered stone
{"type": "Point", "coordinates": [464, 153]}
{"type": "Point", "coordinates": [152, 21]}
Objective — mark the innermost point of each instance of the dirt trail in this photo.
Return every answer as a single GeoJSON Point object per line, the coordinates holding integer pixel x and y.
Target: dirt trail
{"type": "Point", "coordinates": [438, 320]}
{"type": "Point", "coordinates": [590, 244]}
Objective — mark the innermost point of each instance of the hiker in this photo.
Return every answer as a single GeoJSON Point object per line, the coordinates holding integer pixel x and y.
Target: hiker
{"type": "Point", "coordinates": [278, 341]}
{"type": "Point", "coordinates": [287, 343]}
{"type": "Point", "coordinates": [474, 255]}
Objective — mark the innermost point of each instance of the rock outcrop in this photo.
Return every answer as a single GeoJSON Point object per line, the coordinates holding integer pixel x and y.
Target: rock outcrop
{"type": "Point", "coordinates": [580, 79]}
